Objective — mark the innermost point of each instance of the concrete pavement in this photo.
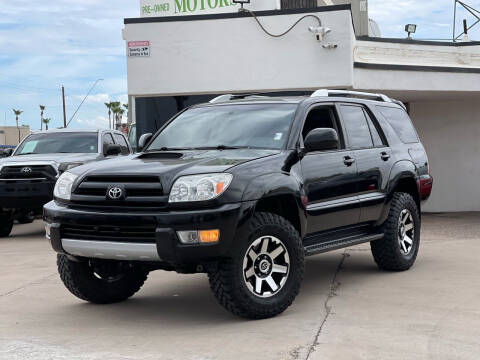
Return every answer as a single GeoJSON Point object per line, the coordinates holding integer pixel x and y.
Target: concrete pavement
{"type": "Point", "coordinates": [347, 308]}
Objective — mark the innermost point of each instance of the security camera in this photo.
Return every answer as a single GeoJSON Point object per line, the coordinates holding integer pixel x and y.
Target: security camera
{"type": "Point", "coordinates": [319, 31]}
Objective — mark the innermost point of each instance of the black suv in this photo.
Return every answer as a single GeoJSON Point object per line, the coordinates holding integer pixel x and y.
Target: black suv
{"type": "Point", "coordinates": [29, 173]}
{"type": "Point", "coordinates": [243, 188]}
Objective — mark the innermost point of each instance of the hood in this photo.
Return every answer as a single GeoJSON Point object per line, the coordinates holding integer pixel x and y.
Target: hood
{"type": "Point", "coordinates": [58, 158]}
{"type": "Point", "coordinates": [171, 165]}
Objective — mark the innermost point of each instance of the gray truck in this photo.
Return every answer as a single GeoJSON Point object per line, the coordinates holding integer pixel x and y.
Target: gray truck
{"type": "Point", "coordinates": [28, 173]}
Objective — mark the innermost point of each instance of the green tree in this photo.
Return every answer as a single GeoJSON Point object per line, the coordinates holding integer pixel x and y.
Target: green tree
{"type": "Point", "coordinates": [17, 114]}
{"type": "Point", "coordinates": [109, 106]}
{"type": "Point", "coordinates": [46, 121]}
{"type": "Point", "coordinates": [42, 109]}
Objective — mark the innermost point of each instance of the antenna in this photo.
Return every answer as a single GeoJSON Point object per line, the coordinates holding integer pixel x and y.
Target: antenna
{"type": "Point", "coordinates": [471, 10]}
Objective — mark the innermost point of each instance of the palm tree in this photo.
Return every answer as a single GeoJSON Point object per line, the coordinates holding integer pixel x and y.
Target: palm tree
{"type": "Point", "coordinates": [115, 110]}
{"type": "Point", "coordinates": [42, 109]}
{"type": "Point", "coordinates": [46, 121]}
{"type": "Point", "coordinates": [17, 114]}
{"type": "Point", "coordinates": [109, 107]}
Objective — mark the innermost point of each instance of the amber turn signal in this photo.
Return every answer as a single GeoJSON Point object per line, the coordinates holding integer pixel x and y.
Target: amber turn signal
{"type": "Point", "coordinates": [208, 236]}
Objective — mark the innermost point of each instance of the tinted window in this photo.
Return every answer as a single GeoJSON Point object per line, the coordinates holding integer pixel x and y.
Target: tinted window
{"type": "Point", "coordinates": [120, 140]}
{"type": "Point", "coordinates": [61, 142]}
{"type": "Point", "coordinates": [255, 126]}
{"type": "Point", "coordinates": [357, 127]}
{"type": "Point", "coordinates": [108, 140]}
{"type": "Point", "coordinates": [377, 139]}
{"type": "Point", "coordinates": [401, 123]}
{"type": "Point", "coordinates": [132, 136]}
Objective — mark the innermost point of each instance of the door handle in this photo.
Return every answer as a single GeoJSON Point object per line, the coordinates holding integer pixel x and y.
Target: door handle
{"type": "Point", "coordinates": [385, 156]}
{"type": "Point", "coordinates": [347, 160]}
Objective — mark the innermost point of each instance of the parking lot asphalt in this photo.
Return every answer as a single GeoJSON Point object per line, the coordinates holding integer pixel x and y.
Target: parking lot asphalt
{"type": "Point", "coordinates": [347, 308]}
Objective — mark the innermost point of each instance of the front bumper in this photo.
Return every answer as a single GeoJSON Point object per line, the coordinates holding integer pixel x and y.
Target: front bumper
{"type": "Point", "coordinates": [25, 194]}
{"type": "Point", "coordinates": [164, 245]}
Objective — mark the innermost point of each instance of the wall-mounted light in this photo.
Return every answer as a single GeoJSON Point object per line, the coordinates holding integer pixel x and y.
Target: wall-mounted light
{"type": "Point", "coordinates": [241, 2]}
{"type": "Point", "coordinates": [410, 29]}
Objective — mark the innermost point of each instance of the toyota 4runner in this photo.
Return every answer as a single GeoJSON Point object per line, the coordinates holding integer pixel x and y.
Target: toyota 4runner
{"type": "Point", "coordinates": [243, 188]}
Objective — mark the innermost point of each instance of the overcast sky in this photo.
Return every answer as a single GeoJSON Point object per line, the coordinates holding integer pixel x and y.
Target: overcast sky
{"type": "Point", "coordinates": [47, 43]}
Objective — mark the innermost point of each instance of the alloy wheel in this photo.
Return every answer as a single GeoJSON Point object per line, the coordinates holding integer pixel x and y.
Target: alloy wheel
{"type": "Point", "coordinates": [266, 266]}
{"type": "Point", "coordinates": [406, 232]}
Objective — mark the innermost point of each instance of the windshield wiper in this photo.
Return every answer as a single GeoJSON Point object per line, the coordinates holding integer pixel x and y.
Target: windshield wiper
{"type": "Point", "coordinates": [29, 153]}
{"type": "Point", "coordinates": [222, 147]}
{"type": "Point", "coordinates": [168, 149]}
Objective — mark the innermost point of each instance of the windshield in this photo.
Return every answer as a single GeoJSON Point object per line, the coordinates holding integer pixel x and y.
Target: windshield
{"type": "Point", "coordinates": [228, 126]}
{"type": "Point", "coordinates": [61, 142]}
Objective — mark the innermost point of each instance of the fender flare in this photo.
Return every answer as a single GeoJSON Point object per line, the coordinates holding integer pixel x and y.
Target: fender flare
{"type": "Point", "coordinates": [278, 184]}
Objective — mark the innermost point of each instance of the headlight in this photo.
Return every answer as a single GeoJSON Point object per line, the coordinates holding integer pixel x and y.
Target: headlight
{"type": "Point", "coordinates": [67, 166]}
{"type": "Point", "coordinates": [63, 187]}
{"type": "Point", "coordinates": [199, 187]}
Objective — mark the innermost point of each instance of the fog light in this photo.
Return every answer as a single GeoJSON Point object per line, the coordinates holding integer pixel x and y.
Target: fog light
{"type": "Point", "coordinates": [188, 237]}
{"type": "Point", "coordinates": [47, 230]}
{"type": "Point", "coordinates": [199, 237]}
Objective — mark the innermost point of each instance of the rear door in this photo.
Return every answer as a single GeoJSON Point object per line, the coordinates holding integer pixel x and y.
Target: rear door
{"type": "Point", "coordinates": [373, 156]}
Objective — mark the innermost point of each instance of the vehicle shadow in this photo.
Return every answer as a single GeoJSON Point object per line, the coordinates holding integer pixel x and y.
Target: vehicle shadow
{"type": "Point", "coordinates": [186, 300]}
{"type": "Point", "coordinates": [32, 231]}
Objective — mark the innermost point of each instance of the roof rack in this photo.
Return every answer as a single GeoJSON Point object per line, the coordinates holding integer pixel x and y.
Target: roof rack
{"type": "Point", "coordinates": [228, 97]}
{"type": "Point", "coordinates": [346, 93]}
{"type": "Point", "coordinates": [357, 94]}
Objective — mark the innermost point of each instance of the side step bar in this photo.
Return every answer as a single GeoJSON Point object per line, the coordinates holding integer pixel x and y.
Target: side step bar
{"type": "Point", "coordinates": [340, 244]}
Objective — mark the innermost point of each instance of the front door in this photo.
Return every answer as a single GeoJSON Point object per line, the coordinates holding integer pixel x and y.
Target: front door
{"type": "Point", "coordinates": [330, 178]}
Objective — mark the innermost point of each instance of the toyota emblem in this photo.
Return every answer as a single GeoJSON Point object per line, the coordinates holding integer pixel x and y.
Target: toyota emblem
{"type": "Point", "coordinates": [115, 193]}
{"type": "Point", "coordinates": [26, 170]}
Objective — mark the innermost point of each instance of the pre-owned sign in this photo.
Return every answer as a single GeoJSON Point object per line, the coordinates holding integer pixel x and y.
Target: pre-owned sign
{"type": "Point", "coordinates": [197, 7]}
{"type": "Point", "coordinates": [138, 48]}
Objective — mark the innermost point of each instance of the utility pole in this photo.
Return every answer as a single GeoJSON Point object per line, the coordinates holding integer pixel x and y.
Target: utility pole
{"type": "Point", "coordinates": [64, 110]}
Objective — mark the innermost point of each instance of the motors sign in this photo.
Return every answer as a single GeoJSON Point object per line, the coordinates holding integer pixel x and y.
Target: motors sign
{"type": "Point", "coordinates": [139, 48]}
{"type": "Point", "coordinates": [152, 8]}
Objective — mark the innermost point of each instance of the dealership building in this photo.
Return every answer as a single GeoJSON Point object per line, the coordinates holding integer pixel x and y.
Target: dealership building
{"type": "Point", "coordinates": [182, 52]}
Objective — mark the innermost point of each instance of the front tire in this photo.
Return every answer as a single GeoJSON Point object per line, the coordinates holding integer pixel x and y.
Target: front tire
{"type": "Point", "coordinates": [398, 250]}
{"type": "Point", "coordinates": [264, 274]}
{"type": "Point", "coordinates": [100, 282]}
{"type": "Point", "coordinates": [6, 225]}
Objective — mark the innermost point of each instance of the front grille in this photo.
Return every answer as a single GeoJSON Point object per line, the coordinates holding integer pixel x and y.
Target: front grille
{"type": "Point", "coordinates": [26, 172]}
{"type": "Point", "coordinates": [139, 191]}
{"type": "Point", "coordinates": [137, 234]}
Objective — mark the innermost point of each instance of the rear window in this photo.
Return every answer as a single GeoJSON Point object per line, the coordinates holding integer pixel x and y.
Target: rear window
{"type": "Point", "coordinates": [401, 123]}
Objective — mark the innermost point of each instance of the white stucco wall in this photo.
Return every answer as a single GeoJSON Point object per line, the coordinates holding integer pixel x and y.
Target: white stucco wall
{"type": "Point", "coordinates": [235, 55]}
{"type": "Point", "coordinates": [450, 132]}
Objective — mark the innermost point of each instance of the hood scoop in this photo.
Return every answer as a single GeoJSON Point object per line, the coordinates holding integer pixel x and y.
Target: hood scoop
{"type": "Point", "coordinates": [161, 155]}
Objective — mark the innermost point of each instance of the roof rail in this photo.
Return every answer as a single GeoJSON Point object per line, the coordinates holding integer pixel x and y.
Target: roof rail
{"type": "Point", "coordinates": [346, 93]}
{"type": "Point", "coordinates": [221, 98]}
{"type": "Point", "coordinates": [229, 97]}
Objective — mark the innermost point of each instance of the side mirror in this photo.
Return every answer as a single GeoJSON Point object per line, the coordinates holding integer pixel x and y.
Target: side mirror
{"type": "Point", "coordinates": [112, 149]}
{"type": "Point", "coordinates": [321, 139]}
{"type": "Point", "coordinates": [143, 141]}
{"type": "Point", "coordinates": [7, 152]}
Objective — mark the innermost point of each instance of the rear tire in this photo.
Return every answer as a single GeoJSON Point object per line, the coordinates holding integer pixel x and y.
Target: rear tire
{"type": "Point", "coordinates": [100, 282]}
{"type": "Point", "coordinates": [264, 275]}
{"type": "Point", "coordinates": [6, 225]}
{"type": "Point", "coordinates": [398, 250]}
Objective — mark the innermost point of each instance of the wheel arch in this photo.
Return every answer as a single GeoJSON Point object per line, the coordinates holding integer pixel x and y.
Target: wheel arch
{"type": "Point", "coordinates": [279, 194]}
